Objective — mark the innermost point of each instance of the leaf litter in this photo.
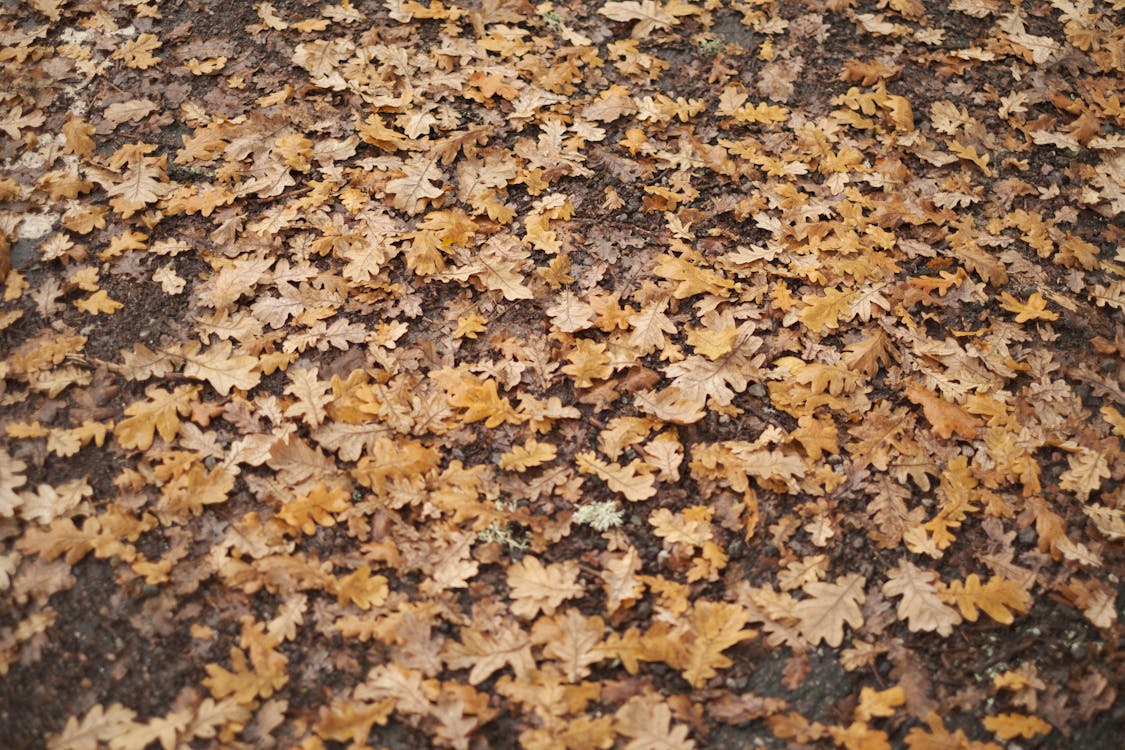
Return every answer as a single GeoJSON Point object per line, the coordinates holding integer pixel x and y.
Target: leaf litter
{"type": "Point", "coordinates": [613, 374]}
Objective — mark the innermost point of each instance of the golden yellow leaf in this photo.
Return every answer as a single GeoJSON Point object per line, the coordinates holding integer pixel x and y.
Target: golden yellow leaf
{"type": "Point", "coordinates": [1011, 725]}
{"type": "Point", "coordinates": [362, 589]}
{"type": "Point", "coordinates": [998, 598]}
{"type": "Point", "coordinates": [947, 418]}
{"type": "Point", "coordinates": [77, 132]}
{"type": "Point", "coordinates": [879, 703]}
{"type": "Point", "coordinates": [98, 303]}
{"type": "Point", "coordinates": [588, 362]}
{"type": "Point", "coordinates": [526, 456]}
{"type": "Point", "coordinates": [159, 414]}
{"type": "Point", "coordinates": [1034, 309]}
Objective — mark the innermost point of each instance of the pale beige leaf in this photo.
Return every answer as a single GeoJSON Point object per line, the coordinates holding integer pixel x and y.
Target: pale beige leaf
{"type": "Point", "coordinates": [920, 605]}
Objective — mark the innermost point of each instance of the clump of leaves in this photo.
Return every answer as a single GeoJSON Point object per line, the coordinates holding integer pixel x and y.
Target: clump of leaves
{"type": "Point", "coordinates": [337, 373]}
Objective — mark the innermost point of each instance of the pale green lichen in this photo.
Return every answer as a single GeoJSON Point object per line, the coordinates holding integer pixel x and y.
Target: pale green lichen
{"type": "Point", "coordinates": [502, 534]}
{"type": "Point", "coordinates": [710, 47]}
{"type": "Point", "coordinates": [601, 516]}
{"type": "Point", "coordinates": [553, 20]}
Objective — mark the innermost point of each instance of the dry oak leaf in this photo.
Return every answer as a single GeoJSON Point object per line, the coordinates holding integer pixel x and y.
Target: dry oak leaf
{"type": "Point", "coordinates": [486, 652]}
{"type": "Point", "coordinates": [186, 490]}
{"type": "Point", "coordinates": [698, 377]}
{"type": "Point", "coordinates": [1087, 470]}
{"type": "Point", "coordinates": [712, 627]}
{"type": "Point", "coordinates": [693, 272]}
{"type": "Point", "coordinates": [321, 58]}
{"type": "Point", "coordinates": [16, 120]}
{"type": "Point", "coordinates": [161, 729]}
{"type": "Point", "coordinates": [527, 456]}
{"type": "Point", "coordinates": [11, 479]}
{"type": "Point", "coordinates": [392, 459]}
{"type": "Point", "coordinates": [160, 414]}
{"type": "Point", "coordinates": [98, 303]}
{"type": "Point", "coordinates": [940, 738]}
{"type": "Point", "coordinates": [307, 512]}
{"type": "Point", "coordinates": [481, 401]}
{"type": "Point", "coordinates": [130, 111]}
{"type": "Point", "coordinates": [647, 721]}
{"type": "Point", "coordinates": [100, 724]}
{"type": "Point", "coordinates": [859, 736]}
{"type": "Point", "coordinates": [1034, 309]}
{"type": "Point", "coordinates": [145, 182]}
{"type": "Point", "coordinates": [1009, 726]}
{"type": "Point", "coordinates": [362, 589]}
{"type": "Point", "coordinates": [535, 588]}
{"type": "Point", "coordinates": [619, 577]}
{"type": "Point", "coordinates": [418, 186]}
{"type": "Point", "coordinates": [648, 14]}
{"type": "Point", "coordinates": [137, 53]}
{"type": "Point", "coordinates": [250, 679]}
{"type": "Point", "coordinates": [650, 328]}
{"type": "Point", "coordinates": [78, 134]}
{"type": "Point", "coordinates": [998, 598]}
{"type": "Point", "coordinates": [829, 608]}
{"type": "Point", "coordinates": [412, 694]}
{"type": "Point", "coordinates": [920, 607]}
{"type": "Point", "coordinates": [219, 367]}
{"type": "Point", "coordinates": [824, 313]}
{"type": "Point", "coordinates": [947, 418]}
{"type": "Point", "coordinates": [571, 639]}
{"type": "Point", "coordinates": [346, 720]}
{"type": "Point", "coordinates": [634, 480]}
{"type": "Point", "coordinates": [678, 528]}
{"type": "Point", "coordinates": [588, 362]}
{"type": "Point", "coordinates": [670, 405]}
{"type": "Point", "coordinates": [497, 266]}
{"type": "Point", "coordinates": [879, 703]}
{"type": "Point", "coordinates": [312, 396]}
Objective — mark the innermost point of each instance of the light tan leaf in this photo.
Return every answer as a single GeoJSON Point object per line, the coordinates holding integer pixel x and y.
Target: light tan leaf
{"type": "Point", "coordinates": [130, 111]}
{"type": "Point", "coordinates": [647, 721]}
{"type": "Point", "coordinates": [11, 479]}
{"type": "Point", "coordinates": [99, 724]}
{"type": "Point", "coordinates": [571, 639]}
{"type": "Point", "coordinates": [312, 396]}
{"type": "Point", "coordinates": [483, 653]}
{"type": "Point", "coordinates": [920, 605]}
{"type": "Point", "coordinates": [219, 367]}
{"type": "Point", "coordinates": [526, 456]}
{"type": "Point", "coordinates": [634, 480]}
{"type": "Point", "coordinates": [622, 586]}
{"type": "Point", "coordinates": [419, 185]}
{"type": "Point", "coordinates": [537, 588]}
{"type": "Point", "coordinates": [712, 627]}
{"type": "Point", "coordinates": [1087, 470]}
{"type": "Point", "coordinates": [648, 14]}
{"type": "Point", "coordinates": [829, 607]}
